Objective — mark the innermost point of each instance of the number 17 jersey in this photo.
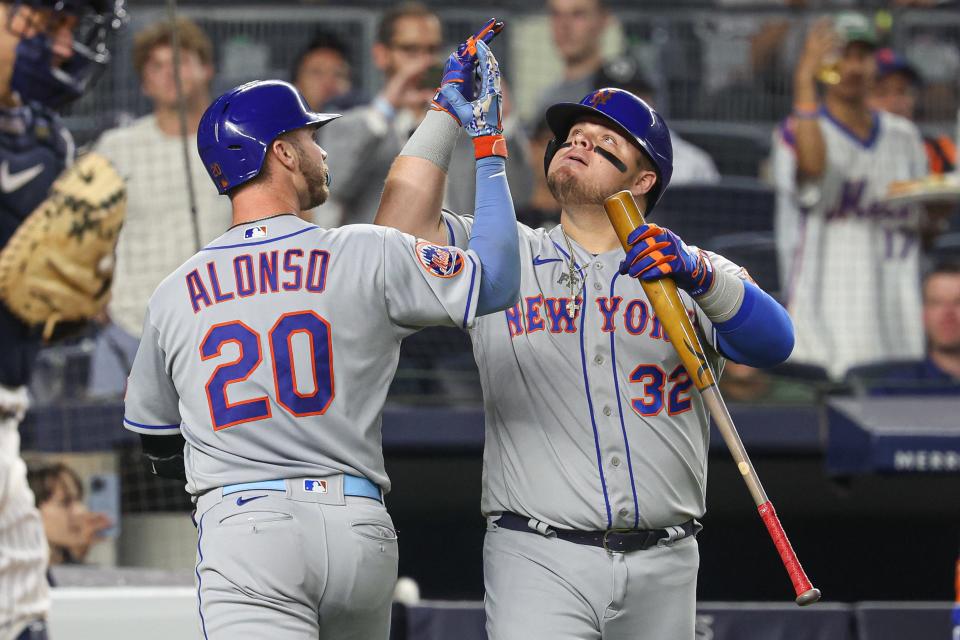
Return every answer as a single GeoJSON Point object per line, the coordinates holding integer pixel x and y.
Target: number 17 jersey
{"type": "Point", "coordinates": [272, 349]}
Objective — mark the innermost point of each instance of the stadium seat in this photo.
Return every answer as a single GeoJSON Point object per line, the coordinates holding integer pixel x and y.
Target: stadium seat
{"type": "Point", "coordinates": [946, 246]}
{"type": "Point", "coordinates": [700, 213]}
{"type": "Point", "coordinates": [737, 149]}
{"type": "Point", "coordinates": [755, 251]}
{"type": "Point", "coordinates": [894, 378]}
{"type": "Point", "coordinates": [801, 372]}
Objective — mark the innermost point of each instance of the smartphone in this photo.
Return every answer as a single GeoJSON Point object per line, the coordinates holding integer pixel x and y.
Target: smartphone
{"type": "Point", "coordinates": [104, 497]}
{"type": "Point", "coordinates": [431, 77]}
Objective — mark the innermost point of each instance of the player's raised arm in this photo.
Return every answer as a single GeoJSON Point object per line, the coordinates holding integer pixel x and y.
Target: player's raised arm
{"type": "Point", "coordinates": [412, 203]}
{"type": "Point", "coordinates": [413, 192]}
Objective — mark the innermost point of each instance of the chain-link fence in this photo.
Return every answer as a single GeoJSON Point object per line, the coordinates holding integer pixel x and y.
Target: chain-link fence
{"type": "Point", "coordinates": [723, 76]}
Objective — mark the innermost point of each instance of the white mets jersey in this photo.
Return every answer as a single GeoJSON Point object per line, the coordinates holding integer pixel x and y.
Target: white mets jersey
{"type": "Point", "coordinates": [849, 261]}
{"type": "Point", "coordinates": [591, 421]}
{"type": "Point", "coordinates": [272, 349]}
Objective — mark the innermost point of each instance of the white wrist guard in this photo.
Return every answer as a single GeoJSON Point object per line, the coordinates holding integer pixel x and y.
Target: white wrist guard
{"type": "Point", "coordinates": [722, 301]}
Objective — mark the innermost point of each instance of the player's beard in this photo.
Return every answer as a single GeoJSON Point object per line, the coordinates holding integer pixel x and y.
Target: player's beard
{"type": "Point", "coordinates": [568, 189]}
{"type": "Point", "coordinates": [315, 175]}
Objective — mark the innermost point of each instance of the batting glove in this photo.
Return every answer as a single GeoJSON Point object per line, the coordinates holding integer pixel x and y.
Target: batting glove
{"type": "Point", "coordinates": [461, 67]}
{"type": "Point", "coordinates": [656, 252]}
{"type": "Point", "coordinates": [482, 118]}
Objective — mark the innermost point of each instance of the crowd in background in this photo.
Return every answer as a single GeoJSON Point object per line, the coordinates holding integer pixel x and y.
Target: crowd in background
{"type": "Point", "coordinates": [851, 274]}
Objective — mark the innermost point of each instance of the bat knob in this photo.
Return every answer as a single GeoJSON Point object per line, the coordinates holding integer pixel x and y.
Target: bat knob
{"type": "Point", "coordinates": [808, 597]}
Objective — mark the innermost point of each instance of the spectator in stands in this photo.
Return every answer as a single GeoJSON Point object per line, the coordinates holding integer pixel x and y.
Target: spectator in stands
{"type": "Point", "coordinates": [939, 371]}
{"type": "Point", "coordinates": [851, 260]}
{"type": "Point", "coordinates": [691, 164]}
{"type": "Point", "coordinates": [577, 27]}
{"type": "Point", "coordinates": [743, 383]}
{"type": "Point", "coordinates": [541, 210]}
{"type": "Point", "coordinates": [369, 137]}
{"type": "Point", "coordinates": [166, 193]}
{"type": "Point", "coordinates": [322, 73]}
{"type": "Point", "coordinates": [896, 90]}
{"type": "Point", "coordinates": [71, 529]}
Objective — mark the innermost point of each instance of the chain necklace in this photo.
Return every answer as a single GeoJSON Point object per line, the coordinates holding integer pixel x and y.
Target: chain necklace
{"type": "Point", "coordinates": [573, 307]}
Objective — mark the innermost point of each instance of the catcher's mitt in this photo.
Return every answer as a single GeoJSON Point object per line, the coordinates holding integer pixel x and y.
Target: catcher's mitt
{"type": "Point", "coordinates": [58, 265]}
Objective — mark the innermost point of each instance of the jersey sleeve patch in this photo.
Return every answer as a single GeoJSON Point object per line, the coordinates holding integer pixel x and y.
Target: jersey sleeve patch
{"type": "Point", "coordinates": [442, 262]}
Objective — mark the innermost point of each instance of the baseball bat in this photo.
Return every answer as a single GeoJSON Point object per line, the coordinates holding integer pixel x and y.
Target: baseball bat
{"type": "Point", "coordinates": [625, 216]}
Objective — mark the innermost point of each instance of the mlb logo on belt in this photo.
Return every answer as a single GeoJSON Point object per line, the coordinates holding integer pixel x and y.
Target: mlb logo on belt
{"type": "Point", "coordinates": [315, 486]}
{"type": "Point", "coordinates": [255, 232]}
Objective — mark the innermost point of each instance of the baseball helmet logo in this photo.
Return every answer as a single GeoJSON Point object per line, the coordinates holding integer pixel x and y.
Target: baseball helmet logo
{"type": "Point", "coordinates": [600, 97]}
{"type": "Point", "coordinates": [442, 262]}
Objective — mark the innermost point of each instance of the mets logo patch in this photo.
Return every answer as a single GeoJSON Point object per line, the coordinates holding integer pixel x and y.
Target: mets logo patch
{"type": "Point", "coordinates": [443, 262]}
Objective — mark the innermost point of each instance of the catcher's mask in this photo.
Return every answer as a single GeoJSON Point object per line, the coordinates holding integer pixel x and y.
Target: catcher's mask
{"type": "Point", "coordinates": [236, 130]}
{"type": "Point", "coordinates": [36, 76]}
{"type": "Point", "coordinates": [629, 115]}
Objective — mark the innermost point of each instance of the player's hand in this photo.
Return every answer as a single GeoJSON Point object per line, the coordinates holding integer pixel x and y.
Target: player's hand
{"type": "Point", "coordinates": [656, 252]}
{"type": "Point", "coordinates": [481, 116]}
{"type": "Point", "coordinates": [461, 67]}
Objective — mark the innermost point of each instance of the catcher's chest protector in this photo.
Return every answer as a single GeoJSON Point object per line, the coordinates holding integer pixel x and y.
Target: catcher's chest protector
{"type": "Point", "coordinates": [33, 151]}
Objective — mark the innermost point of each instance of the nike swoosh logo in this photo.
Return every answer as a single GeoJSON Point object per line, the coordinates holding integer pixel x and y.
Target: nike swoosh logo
{"type": "Point", "coordinates": [539, 261]}
{"type": "Point", "coordinates": [10, 182]}
{"type": "Point", "coordinates": [497, 175]}
{"type": "Point", "coordinates": [243, 501]}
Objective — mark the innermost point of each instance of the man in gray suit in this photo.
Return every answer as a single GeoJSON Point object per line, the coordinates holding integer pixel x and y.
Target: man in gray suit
{"type": "Point", "coordinates": [369, 137]}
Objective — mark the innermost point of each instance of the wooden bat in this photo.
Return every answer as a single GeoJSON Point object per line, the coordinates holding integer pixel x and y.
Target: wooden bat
{"type": "Point", "coordinates": [625, 216]}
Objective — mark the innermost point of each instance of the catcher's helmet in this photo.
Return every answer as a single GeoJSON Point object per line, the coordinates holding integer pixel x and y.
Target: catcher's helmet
{"type": "Point", "coordinates": [236, 130]}
{"type": "Point", "coordinates": [36, 78]}
{"type": "Point", "coordinates": [631, 116]}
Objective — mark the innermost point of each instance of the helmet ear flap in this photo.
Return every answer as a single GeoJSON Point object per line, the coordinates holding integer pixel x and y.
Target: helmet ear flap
{"type": "Point", "coordinates": [551, 150]}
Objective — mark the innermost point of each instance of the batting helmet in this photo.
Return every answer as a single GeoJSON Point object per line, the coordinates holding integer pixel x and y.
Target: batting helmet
{"type": "Point", "coordinates": [36, 79]}
{"type": "Point", "coordinates": [236, 130]}
{"type": "Point", "coordinates": [633, 117]}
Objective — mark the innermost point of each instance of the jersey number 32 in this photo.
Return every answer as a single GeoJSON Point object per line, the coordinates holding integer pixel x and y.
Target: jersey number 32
{"type": "Point", "coordinates": [225, 414]}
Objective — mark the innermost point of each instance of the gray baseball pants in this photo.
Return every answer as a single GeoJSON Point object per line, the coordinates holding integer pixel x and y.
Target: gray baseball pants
{"type": "Point", "coordinates": [294, 565]}
{"type": "Point", "coordinates": [540, 588]}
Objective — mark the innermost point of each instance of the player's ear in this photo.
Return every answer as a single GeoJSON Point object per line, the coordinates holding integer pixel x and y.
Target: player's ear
{"type": "Point", "coordinates": [286, 153]}
{"type": "Point", "coordinates": [643, 182]}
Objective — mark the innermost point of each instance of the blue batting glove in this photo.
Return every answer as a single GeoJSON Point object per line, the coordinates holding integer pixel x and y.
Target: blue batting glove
{"type": "Point", "coordinates": [656, 253]}
{"type": "Point", "coordinates": [482, 118]}
{"type": "Point", "coordinates": [461, 67]}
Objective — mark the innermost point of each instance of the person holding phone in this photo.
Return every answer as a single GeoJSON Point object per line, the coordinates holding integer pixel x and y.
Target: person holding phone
{"type": "Point", "coordinates": [370, 136]}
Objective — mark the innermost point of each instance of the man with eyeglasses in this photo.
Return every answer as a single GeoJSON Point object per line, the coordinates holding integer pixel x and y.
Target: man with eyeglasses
{"type": "Point", "coordinates": [369, 137]}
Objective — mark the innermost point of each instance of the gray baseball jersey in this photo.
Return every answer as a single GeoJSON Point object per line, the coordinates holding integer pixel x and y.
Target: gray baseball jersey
{"type": "Point", "coordinates": [591, 421]}
{"type": "Point", "coordinates": [271, 350]}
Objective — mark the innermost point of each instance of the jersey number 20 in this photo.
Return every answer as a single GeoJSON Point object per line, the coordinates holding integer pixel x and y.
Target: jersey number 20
{"type": "Point", "coordinates": [225, 414]}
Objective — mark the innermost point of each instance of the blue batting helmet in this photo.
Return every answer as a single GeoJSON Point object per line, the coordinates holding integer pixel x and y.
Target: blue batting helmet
{"type": "Point", "coordinates": [633, 117]}
{"type": "Point", "coordinates": [236, 130]}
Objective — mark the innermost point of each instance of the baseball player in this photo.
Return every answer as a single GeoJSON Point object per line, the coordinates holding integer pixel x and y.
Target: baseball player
{"type": "Point", "coordinates": [596, 442]}
{"type": "Point", "coordinates": [45, 62]}
{"type": "Point", "coordinates": [850, 262]}
{"type": "Point", "coordinates": [270, 352]}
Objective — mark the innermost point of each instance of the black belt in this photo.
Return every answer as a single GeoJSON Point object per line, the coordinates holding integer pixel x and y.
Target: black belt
{"type": "Point", "coordinates": [616, 540]}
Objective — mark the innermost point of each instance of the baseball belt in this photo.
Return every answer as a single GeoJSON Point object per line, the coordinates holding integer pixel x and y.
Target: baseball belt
{"type": "Point", "coordinates": [614, 540]}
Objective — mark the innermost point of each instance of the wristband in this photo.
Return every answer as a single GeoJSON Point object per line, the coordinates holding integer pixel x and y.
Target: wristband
{"type": "Point", "coordinates": [806, 110]}
{"type": "Point", "coordinates": [486, 146]}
